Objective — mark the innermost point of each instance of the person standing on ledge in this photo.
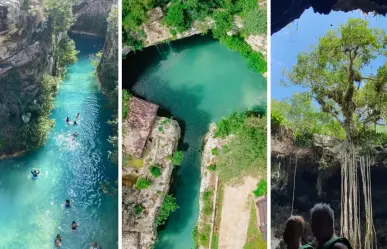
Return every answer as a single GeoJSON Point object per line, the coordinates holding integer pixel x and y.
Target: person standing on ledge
{"type": "Point", "coordinates": [323, 220]}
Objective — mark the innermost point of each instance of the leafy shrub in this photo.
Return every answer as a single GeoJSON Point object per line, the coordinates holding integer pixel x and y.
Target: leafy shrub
{"type": "Point", "coordinates": [142, 183]}
{"type": "Point", "coordinates": [261, 188]}
{"type": "Point", "coordinates": [277, 118]}
{"type": "Point", "coordinates": [169, 206]}
{"type": "Point", "coordinates": [176, 16]}
{"type": "Point", "coordinates": [215, 151]}
{"type": "Point", "coordinates": [212, 167]}
{"type": "Point", "coordinates": [177, 158]}
{"type": "Point", "coordinates": [138, 209]}
{"type": "Point", "coordinates": [204, 235]}
{"type": "Point", "coordinates": [155, 171]}
{"type": "Point", "coordinates": [255, 21]}
{"type": "Point", "coordinates": [230, 125]}
{"type": "Point", "coordinates": [125, 103]}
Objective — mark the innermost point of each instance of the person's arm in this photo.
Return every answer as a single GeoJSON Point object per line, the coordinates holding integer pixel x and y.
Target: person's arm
{"type": "Point", "coordinates": [339, 245]}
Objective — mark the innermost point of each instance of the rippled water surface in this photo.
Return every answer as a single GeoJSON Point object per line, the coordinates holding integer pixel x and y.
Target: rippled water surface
{"type": "Point", "coordinates": [198, 81]}
{"type": "Point", "coordinates": [31, 212]}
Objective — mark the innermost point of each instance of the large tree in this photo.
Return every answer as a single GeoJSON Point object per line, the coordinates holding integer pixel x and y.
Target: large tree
{"type": "Point", "coordinates": [339, 76]}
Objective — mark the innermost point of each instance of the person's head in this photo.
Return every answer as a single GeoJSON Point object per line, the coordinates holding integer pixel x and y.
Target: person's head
{"type": "Point", "coordinates": [94, 244]}
{"type": "Point", "coordinates": [294, 230]}
{"type": "Point", "coordinates": [67, 202]}
{"type": "Point", "coordinates": [323, 220]}
{"type": "Point", "coordinates": [58, 236]}
{"type": "Point", "coordinates": [74, 223]}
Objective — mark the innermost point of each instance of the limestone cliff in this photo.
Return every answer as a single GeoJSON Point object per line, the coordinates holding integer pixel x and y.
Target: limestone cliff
{"type": "Point", "coordinates": [140, 208]}
{"type": "Point", "coordinates": [91, 16]}
{"type": "Point", "coordinates": [25, 39]}
{"type": "Point", "coordinates": [107, 69]}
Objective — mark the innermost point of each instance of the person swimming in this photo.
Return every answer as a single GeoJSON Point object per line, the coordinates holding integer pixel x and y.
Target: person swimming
{"type": "Point", "coordinates": [67, 204]}
{"type": "Point", "coordinates": [94, 245]}
{"type": "Point", "coordinates": [35, 172]}
{"type": "Point", "coordinates": [75, 123]}
{"type": "Point", "coordinates": [78, 114]}
{"type": "Point", "coordinates": [74, 226]}
{"type": "Point", "coordinates": [58, 240]}
{"type": "Point", "coordinates": [67, 119]}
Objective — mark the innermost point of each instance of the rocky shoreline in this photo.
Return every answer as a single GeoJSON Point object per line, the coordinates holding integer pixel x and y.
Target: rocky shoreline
{"type": "Point", "coordinates": [139, 229]}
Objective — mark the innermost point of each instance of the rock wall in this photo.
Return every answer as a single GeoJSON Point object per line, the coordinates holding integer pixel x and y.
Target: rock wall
{"type": "Point", "coordinates": [317, 181]}
{"type": "Point", "coordinates": [24, 57]}
{"type": "Point", "coordinates": [90, 16]}
{"type": "Point", "coordinates": [285, 12]}
{"type": "Point", "coordinates": [107, 70]}
{"type": "Point", "coordinates": [139, 230]}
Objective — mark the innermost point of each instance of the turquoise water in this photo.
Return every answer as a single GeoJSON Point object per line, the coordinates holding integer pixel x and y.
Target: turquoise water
{"type": "Point", "coordinates": [198, 81]}
{"type": "Point", "coordinates": [31, 212]}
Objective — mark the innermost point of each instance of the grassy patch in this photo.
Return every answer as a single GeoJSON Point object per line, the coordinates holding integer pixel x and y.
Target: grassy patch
{"type": "Point", "coordinates": [254, 237]}
{"type": "Point", "coordinates": [215, 151]}
{"type": "Point", "coordinates": [130, 161]}
{"type": "Point", "coordinates": [218, 216]}
{"type": "Point", "coordinates": [208, 197]}
{"type": "Point", "coordinates": [177, 158]}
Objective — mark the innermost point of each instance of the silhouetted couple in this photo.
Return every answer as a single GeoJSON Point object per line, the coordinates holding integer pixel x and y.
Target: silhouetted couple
{"type": "Point", "coordinates": [323, 220]}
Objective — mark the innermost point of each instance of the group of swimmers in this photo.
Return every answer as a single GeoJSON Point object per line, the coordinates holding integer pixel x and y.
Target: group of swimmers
{"type": "Point", "coordinates": [74, 135]}
{"type": "Point", "coordinates": [74, 225]}
{"type": "Point", "coordinates": [322, 225]}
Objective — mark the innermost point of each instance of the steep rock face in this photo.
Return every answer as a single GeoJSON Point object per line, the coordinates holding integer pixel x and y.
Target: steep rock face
{"type": "Point", "coordinates": [285, 12]}
{"type": "Point", "coordinates": [316, 173]}
{"type": "Point", "coordinates": [107, 69]}
{"type": "Point", "coordinates": [24, 56]}
{"type": "Point", "coordinates": [139, 229]}
{"type": "Point", "coordinates": [90, 16]}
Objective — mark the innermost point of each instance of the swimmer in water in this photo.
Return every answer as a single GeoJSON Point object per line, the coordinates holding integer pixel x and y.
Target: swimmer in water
{"type": "Point", "coordinates": [78, 114]}
{"type": "Point", "coordinates": [75, 135]}
{"type": "Point", "coordinates": [74, 226]}
{"type": "Point", "coordinates": [58, 241]}
{"type": "Point", "coordinates": [67, 119]}
{"type": "Point", "coordinates": [35, 172]}
{"type": "Point", "coordinates": [67, 204]}
{"type": "Point", "coordinates": [75, 123]}
{"type": "Point", "coordinates": [94, 245]}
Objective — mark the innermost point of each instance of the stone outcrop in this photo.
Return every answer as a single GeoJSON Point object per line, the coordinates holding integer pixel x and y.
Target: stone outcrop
{"type": "Point", "coordinates": [139, 229]}
{"type": "Point", "coordinates": [285, 12]}
{"type": "Point", "coordinates": [107, 70]}
{"type": "Point", "coordinates": [90, 16]}
{"type": "Point", "coordinates": [25, 39]}
{"type": "Point", "coordinates": [316, 173]}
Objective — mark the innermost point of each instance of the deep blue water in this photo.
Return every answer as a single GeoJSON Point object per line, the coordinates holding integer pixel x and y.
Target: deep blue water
{"type": "Point", "coordinates": [31, 212]}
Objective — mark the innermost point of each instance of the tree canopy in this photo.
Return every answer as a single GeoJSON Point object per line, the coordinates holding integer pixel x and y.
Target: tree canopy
{"type": "Point", "coordinates": [336, 74]}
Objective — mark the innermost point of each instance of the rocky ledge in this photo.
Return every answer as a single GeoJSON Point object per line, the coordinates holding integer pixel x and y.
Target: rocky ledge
{"type": "Point", "coordinates": [139, 228]}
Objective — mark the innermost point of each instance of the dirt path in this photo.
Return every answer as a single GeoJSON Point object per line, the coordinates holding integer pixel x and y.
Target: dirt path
{"type": "Point", "coordinates": [235, 215]}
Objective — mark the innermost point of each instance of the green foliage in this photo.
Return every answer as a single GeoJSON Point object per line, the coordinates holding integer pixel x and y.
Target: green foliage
{"type": "Point", "coordinates": [155, 171]}
{"type": "Point", "coordinates": [304, 119]}
{"type": "Point", "coordinates": [195, 237]}
{"type": "Point", "coordinates": [212, 167]}
{"type": "Point", "coordinates": [60, 14]}
{"type": "Point", "coordinates": [138, 208]}
{"type": "Point", "coordinates": [67, 54]}
{"type": "Point", "coordinates": [215, 151]}
{"type": "Point", "coordinates": [224, 22]}
{"type": "Point", "coordinates": [125, 103]}
{"type": "Point", "coordinates": [254, 237]}
{"type": "Point", "coordinates": [96, 60]}
{"type": "Point", "coordinates": [230, 125]}
{"type": "Point", "coordinates": [246, 153]}
{"type": "Point", "coordinates": [208, 197]}
{"type": "Point", "coordinates": [134, 13]}
{"type": "Point", "coordinates": [255, 21]}
{"type": "Point", "coordinates": [169, 206]}
{"type": "Point", "coordinates": [261, 188]}
{"type": "Point", "coordinates": [256, 59]}
{"type": "Point", "coordinates": [176, 16]}
{"type": "Point", "coordinates": [334, 73]}
{"type": "Point", "coordinates": [142, 183]}
{"type": "Point", "coordinates": [204, 235]}
{"type": "Point", "coordinates": [177, 158]}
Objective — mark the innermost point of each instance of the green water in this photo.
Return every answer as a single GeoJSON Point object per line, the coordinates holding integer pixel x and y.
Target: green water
{"type": "Point", "coordinates": [198, 81]}
{"type": "Point", "coordinates": [31, 212]}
